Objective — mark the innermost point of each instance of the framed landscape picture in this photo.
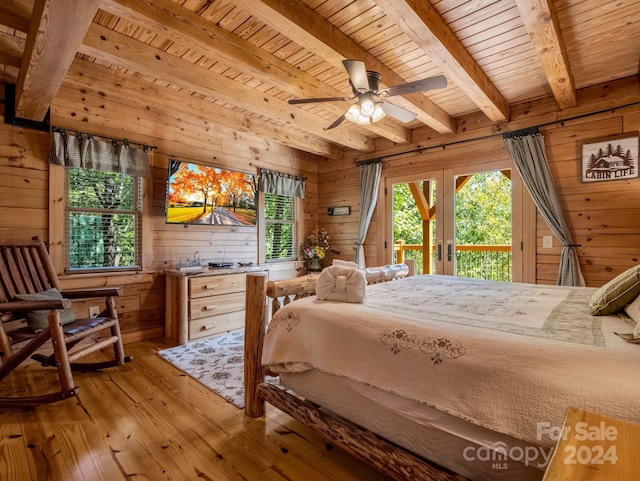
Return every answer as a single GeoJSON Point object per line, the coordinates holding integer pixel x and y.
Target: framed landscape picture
{"type": "Point", "coordinates": [612, 159]}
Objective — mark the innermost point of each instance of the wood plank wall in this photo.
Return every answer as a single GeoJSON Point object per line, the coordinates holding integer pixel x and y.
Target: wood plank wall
{"type": "Point", "coordinates": [603, 217]}
{"type": "Point", "coordinates": [98, 100]}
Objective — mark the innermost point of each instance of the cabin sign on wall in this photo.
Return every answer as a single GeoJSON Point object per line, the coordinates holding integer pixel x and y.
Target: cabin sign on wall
{"type": "Point", "coordinates": [613, 159]}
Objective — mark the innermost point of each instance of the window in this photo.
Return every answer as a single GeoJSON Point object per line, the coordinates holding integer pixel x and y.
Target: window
{"type": "Point", "coordinates": [103, 220]}
{"type": "Point", "coordinates": [280, 226]}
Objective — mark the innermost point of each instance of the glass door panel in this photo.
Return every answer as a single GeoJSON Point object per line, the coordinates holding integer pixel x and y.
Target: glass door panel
{"type": "Point", "coordinates": [414, 222]}
{"type": "Point", "coordinates": [454, 222]}
{"type": "Point", "coordinates": [483, 225]}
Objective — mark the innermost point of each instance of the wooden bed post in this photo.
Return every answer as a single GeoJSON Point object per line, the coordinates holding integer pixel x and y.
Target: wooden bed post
{"type": "Point", "coordinates": [254, 328]}
{"type": "Point", "coordinates": [411, 264]}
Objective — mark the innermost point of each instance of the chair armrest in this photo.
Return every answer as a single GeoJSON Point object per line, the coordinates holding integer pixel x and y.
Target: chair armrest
{"type": "Point", "coordinates": [24, 306]}
{"type": "Point", "coordinates": [92, 292]}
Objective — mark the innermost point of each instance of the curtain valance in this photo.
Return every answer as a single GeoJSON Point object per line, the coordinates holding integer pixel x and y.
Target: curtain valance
{"type": "Point", "coordinates": [84, 151]}
{"type": "Point", "coordinates": [281, 184]}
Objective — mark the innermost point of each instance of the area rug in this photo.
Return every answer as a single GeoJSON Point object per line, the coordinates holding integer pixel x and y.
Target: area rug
{"type": "Point", "coordinates": [217, 363]}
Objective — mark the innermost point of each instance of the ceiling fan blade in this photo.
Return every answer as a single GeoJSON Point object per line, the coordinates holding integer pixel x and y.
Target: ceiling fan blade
{"type": "Point", "coordinates": [319, 99]}
{"type": "Point", "coordinates": [336, 122]}
{"type": "Point", "coordinates": [358, 74]}
{"type": "Point", "coordinates": [400, 113]}
{"type": "Point", "coordinates": [432, 83]}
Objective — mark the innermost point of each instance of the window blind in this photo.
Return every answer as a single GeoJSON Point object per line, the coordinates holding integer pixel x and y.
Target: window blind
{"type": "Point", "coordinates": [280, 222]}
{"type": "Point", "coordinates": [103, 221]}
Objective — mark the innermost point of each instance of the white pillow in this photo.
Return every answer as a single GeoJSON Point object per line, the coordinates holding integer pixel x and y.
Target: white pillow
{"type": "Point", "coordinates": [633, 311]}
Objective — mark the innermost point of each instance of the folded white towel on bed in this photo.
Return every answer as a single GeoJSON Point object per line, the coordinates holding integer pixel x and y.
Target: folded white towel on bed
{"type": "Point", "coordinates": [342, 284]}
{"type": "Point", "coordinates": [340, 262]}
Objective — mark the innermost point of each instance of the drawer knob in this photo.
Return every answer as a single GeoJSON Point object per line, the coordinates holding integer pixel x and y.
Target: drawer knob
{"type": "Point", "coordinates": [210, 308]}
{"type": "Point", "coordinates": [206, 328]}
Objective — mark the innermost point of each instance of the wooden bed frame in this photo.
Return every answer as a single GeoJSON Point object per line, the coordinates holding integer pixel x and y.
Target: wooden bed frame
{"type": "Point", "coordinates": [385, 456]}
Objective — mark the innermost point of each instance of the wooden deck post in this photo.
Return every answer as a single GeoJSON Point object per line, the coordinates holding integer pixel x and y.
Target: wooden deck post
{"type": "Point", "coordinates": [254, 328]}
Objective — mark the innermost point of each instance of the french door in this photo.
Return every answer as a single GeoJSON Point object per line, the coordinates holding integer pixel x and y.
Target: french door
{"type": "Point", "coordinates": [476, 221]}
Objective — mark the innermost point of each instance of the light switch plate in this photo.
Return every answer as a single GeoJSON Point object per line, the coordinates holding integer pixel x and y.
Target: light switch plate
{"type": "Point", "coordinates": [547, 242]}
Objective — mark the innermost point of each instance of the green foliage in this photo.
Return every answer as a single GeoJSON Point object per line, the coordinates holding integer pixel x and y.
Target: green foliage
{"type": "Point", "coordinates": [483, 210]}
{"type": "Point", "coordinates": [279, 226]}
{"type": "Point", "coordinates": [90, 246]}
{"type": "Point", "coordinates": [279, 241]}
{"type": "Point", "coordinates": [102, 220]}
{"type": "Point", "coordinates": [482, 216]}
{"type": "Point", "coordinates": [407, 223]}
{"type": "Point", "coordinates": [94, 189]}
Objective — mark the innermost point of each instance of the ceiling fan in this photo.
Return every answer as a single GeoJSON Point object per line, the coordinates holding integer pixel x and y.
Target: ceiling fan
{"type": "Point", "coordinates": [371, 106]}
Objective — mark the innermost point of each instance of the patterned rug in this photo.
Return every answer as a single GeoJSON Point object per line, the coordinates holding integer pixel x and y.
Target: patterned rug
{"type": "Point", "coordinates": [217, 363]}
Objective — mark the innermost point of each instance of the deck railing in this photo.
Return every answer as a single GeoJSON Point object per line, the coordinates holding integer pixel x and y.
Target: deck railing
{"type": "Point", "coordinates": [490, 262]}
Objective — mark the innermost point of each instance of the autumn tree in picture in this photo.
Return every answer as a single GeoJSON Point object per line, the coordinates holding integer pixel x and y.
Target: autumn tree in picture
{"type": "Point", "coordinates": [200, 194]}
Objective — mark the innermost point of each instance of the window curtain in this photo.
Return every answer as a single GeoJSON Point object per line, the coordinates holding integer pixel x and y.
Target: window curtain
{"type": "Point", "coordinates": [370, 174]}
{"type": "Point", "coordinates": [527, 150]}
{"type": "Point", "coordinates": [281, 184]}
{"type": "Point", "coordinates": [85, 152]}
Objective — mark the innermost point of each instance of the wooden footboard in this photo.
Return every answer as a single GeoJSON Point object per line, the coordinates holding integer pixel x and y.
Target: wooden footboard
{"type": "Point", "coordinates": [392, 460]}
{"type": "Point", "coordinates": [261, 293]}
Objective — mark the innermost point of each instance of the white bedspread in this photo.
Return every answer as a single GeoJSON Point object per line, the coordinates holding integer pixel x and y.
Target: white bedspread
{"type": "Point", "coordinates": [506, 356]}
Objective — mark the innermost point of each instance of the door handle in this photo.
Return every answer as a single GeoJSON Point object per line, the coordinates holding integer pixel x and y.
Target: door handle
{"type": "Point", "coordinates": [449, 246]}
{"type": "Point", "coordinates": [439, 252]}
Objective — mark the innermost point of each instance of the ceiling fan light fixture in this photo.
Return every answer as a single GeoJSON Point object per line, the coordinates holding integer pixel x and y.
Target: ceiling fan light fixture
{"type": "Point", "coordinates": [356, 114]}
{"type": "Point", "coordinates": [378, 113]}
{"type": "Point", "coordinates": [353, 113]}
{"type": "Point", "coordinates": [370, 106]}
{"type": "Point", "coordinates": [367, 108]}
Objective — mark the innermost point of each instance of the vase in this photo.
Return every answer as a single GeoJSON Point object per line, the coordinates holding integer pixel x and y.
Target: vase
{"type": "Point", "coordinates": [314, 265]}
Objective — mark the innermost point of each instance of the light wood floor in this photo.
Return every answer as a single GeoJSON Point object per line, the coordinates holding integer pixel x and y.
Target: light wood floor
{"type": "Point", "coordinates": [147, 421]}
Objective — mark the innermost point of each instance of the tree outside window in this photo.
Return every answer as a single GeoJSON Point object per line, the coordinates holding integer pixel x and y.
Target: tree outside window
{"type": "Point", "coordinates": [280, 226]}
{"type": "Point", "coordinates": [103, 221]}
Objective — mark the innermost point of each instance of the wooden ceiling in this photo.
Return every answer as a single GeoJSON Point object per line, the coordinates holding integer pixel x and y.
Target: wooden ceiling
{"type": "Point", "coordinates": [237, 62]}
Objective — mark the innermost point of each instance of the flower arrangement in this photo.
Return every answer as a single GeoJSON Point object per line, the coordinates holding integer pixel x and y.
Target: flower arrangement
{"type": "Point", "coordinates": [317, 245]}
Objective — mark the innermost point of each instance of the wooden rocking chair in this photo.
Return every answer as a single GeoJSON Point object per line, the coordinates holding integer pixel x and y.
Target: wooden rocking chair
{"type": "Point", "coordinates": [26, 272]}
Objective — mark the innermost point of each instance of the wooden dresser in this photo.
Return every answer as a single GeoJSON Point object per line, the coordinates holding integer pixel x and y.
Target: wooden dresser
{"type": "Point", "coordinates": [204, 303]}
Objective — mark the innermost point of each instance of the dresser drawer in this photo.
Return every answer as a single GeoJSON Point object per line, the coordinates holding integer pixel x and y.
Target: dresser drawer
{"type": "Point", "coordinates": [214, 285]}
{"type": "Point", "coordinates": [205, 304]}
{"type": "Point", "coordinates": [213, 305]}
{"type": "Point", "coordinates": [208, 326]}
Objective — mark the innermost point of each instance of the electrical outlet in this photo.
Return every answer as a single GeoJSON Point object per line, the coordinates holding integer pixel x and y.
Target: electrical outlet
{"type": "Point", "coordinates": [547, 241]}
{"type": "Point", "coordinates": [94, 311]}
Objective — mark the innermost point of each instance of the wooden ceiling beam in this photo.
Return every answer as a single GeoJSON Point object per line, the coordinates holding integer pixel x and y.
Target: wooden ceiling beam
{"type": "Point", "coordinates": [11, 49]}
{"type": "Point", "coordinates": [422, 23]}
{"type": "Point", "coordinates": [115, 86]}
{"type": "Point", "coordinates": [310, 30]}
{"type": "Point", "coordinates": [13, 21]}
{"type": "Point", "coordinates": [15, 14]}
{"type": "Point", "coordinates": [180, 24]}
{"type": "Point", "coordinates": [106, 44]}
{"type": "Point", "coordinates": [55, 31]}
{"type": "Point", "coordinates": [541, 21]}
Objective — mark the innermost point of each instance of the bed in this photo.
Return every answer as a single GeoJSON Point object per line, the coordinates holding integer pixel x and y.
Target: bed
{"type": "Point", "coordinates": [439, 377]}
